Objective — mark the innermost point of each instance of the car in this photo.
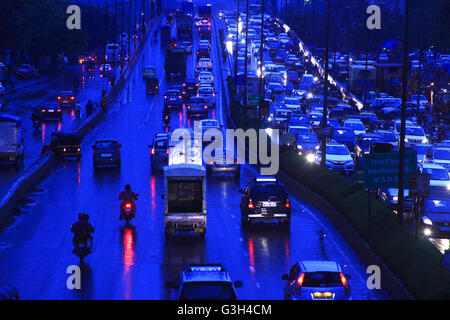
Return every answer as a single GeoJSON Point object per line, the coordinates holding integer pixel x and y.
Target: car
{"type": "Point", "coordinates": [440, 154]}
{"type": "Point", "coordinates": [66, 98]}
{"type": "Point", "coordinates": [105, 70]}
{"type": "Point", "coordinates": [2, 90]}
{"type": "Point", "coordinates": [439, 176]}
{"type": "Point", "coordinates": [26, 72]}
{"type": "Point", "coordinates": [422, 150]}
{"type": "Point", "coordinates": [203, 52]}
{"type": "Point", "coordinates": [159, 151]}
{"type": "Point", "coordinates": [65, 144]}
{"type": "Point", "coordinates": [265, 198]}
{"type": "Point", "coordinates": [274, 89]}
{"type": "Point", "coordinates": [204, 282]}
{"type": "Point", "coordinates": [208, 93]}
{"type": "Point", "coordinates": [281, 118]}
{"type": "Point", "coordinates": [307, 145]}
{"type": "Point", "coordinates": [338, 158]}
{"type": "Point", "coordinates": [204, 43]}
{"type": "Point", "coordinates": [200, 69]}
{"type": "Point", "coordinates": [227, 162]}
{"type": "Point", "coordinates": [206, 77]}
{"type": "Point", "coordinates": [205, 62]}
{"type": "Point", "coordinates": [49, 111]}
{"type": "Point", "coordinates": [363, 143]}
{"type": "Point", "coordinates": [186, 45]}
{"type": "Point", "coordinates": [190, 87]}
{"type": "Point", "coordinates": [106, 153]}
{"type": "Point", "coordinates": [299, 119]}
{"type": "Point", "coordinates": [397, 124]}
{"type": "Point", "coordinates": [414, 134]}
{"type": "Point", "coordinates": [315, 118]}
{"type": "Point", "coordinates": [148, 71]}
{"type": "Point", "coordinates": [389, 197]}
{"type": "Point", "coordinates": [356, 125]}
{"type": "Point", "coordinates": [151, 84]}
{"type": "Point", "coordinates": [297, 130]}
{"type": "Point", "coordinates": [316, 280]}
{"type": "Point", "coordinates": [388, 136]}
{"type": "Point", "coordinates": [173, 99]}
{"type": "Point", "coordinates": [435, 219]}
{"type": "Point", "coordinates": [197, 106]}
{"type": "Point", "coordinates": [345, 136]}
{"type": "Point", "coordinates": [292, 103]}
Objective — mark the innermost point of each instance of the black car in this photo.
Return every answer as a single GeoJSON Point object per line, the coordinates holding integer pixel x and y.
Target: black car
{"type": "Point", "coordinates": [50, 111]}
{"type": "Point", "coordinates": [345, 136]}
{"type": "Point", "coordinates": [190, 87]}
{"type": "Point", "coordinates": [363, 143]}
{"type": "Point", "coordinates": [106, 153]}
{"type": "Point", "coordinates": [307, 143]}
{"type": "Point", "coordinates": [203, 52]}
{"type": "Point", "coordinates": [197, 106]}
{"type": "Point", "coordinates": [172, 99]}
{"type": "Point", "coordinates": [265, 198]}
{"type": "Point", "coordinates": [151, 85]}
{"type": "Point", "coordinates": [65, 144]}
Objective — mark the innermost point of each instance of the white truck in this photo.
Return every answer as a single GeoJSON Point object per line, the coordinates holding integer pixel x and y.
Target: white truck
{"type": "Point", "coordinates": [11, 141]}
{"type": "Point", "coordinates": [185, 187]}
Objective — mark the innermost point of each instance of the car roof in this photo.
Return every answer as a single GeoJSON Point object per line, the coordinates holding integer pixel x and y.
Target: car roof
{"type": "Point", "coordinates": [430, 165]}
{"type": "Point", "coordinates": [317, 266]}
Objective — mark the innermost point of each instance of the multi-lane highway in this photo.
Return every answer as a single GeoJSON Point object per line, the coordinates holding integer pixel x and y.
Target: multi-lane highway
{"type": "Point", "coordinates": [135, 262]}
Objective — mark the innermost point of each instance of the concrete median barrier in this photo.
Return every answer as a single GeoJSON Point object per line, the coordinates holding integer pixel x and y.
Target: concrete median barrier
{"type": "Point", "coordinates": [23, 184]}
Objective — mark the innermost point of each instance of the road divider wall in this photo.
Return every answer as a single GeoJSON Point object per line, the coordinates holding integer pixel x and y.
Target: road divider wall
{"type": "Point", "coordinates": [22, 185]}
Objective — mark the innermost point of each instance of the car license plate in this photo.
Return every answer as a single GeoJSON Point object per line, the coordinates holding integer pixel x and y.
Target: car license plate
{"type": "Point", "coordinates": [51, 110]}
{"type": "Point", "coordinates": [106, 154]}
{"type": "Point", "coordinates": [270, 204]}
{"type": "Point", "coordinates": [323, 295]}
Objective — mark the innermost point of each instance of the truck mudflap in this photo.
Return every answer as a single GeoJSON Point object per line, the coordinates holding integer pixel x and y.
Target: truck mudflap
{"type": "Point", "coordinates": [186, 222]}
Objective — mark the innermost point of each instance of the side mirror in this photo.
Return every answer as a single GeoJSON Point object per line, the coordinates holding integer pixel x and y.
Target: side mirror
{"type": "Point", "coordinates": [170, 285]}
{"type": "Point", "coordinates": [241, 190]}
{"type": "Point", "coordinates": [285, 277]}
{"type": "Point", "coordinates": [238, 284]}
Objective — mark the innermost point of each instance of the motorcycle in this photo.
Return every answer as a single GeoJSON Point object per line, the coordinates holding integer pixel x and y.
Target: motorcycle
{"type": "Point", "coordinates": [127, 211]}
{"type": "Point", "coordinates": [36, 124]}
{"type": "Point", "coordinates": [82, 247]}
{"type": "Point", "coordinates": [166, 118]}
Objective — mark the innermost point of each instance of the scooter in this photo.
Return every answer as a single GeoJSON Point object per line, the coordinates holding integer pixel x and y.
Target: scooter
{"type": "Point", "coordinates": [127, 211]}
{"type": "Point", "coordinates": [82, 247]}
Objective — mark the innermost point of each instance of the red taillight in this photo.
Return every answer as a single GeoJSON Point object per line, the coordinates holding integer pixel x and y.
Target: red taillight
{"type": "Point", "coordinates": [251, 205]}
{"type": "Point", "coordinates": [153, 151]}
{"type": "Point", "coordinates": [78, 149]}
{"type": "Point", "coordinates": [167, 151]}
{"type": "Point", "coordinates": [343, 280]}
{"type": "Point", "coordinates": [300, 279]}
{"type": "Point", "coordinates": [128, 205]}
{"type": "Point", "coordinates": [59, 110]}
{"type": "Point", "coordinates": [188, 107]}
{"type": "Point", "coordinates": [72, 98]}
{"type": "Point", "coordinates": [64, 149]}
{"type": "Point", "coordinates": [165, 97]}
{"type": "Point", "coordinates": [196, 84]}
{"type": "Point", "coordinates": [206, 107]}
{"type": "Point", "coordinates": [59, 98]}
{"type": "Point", "coordinates": [43, 110]}
{"type": "Point", "coordinates": [179, 97]}
{"type": "Point", "coordinates": [288, 203]}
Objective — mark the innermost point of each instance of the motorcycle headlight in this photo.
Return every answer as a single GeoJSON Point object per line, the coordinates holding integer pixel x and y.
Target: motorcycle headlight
{"type": "Point", "coordinates": [427, 221]}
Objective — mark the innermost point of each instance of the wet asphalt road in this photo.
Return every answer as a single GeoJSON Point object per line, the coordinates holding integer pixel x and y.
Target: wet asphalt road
{"type": "Point", "coordinates": [135, 262]}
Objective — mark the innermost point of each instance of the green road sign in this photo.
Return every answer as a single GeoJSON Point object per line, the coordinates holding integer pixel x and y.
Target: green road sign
{"type": "Point", "coordinates": [381, 169]}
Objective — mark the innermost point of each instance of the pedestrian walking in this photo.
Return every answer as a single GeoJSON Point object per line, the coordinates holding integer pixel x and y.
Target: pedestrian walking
{"type": "Point", "coordinates": [78, 110]}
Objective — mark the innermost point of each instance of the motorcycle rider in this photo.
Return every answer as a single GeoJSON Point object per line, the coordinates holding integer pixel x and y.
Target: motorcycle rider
{"type": "Point", "coordinates": [82, 229]}
{"type": "Point", "coordinates": [126, 196]}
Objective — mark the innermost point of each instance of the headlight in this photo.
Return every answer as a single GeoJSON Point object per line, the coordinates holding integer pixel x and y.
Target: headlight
{"type": "Point", "coordinates": [299, 146]}
{"type": "Point", "coordinates": [406, 140]}
{"type": "Point", "coordinates": [448, 186]}
{"type": "Point", "coordinates": [317, 147]}
{"type": "Point", "coordinates": [395, 198]}
{"type": "Point", "coordinates": [427, 221]}
{"type": "Point", "coordinates": [310, 158]}
{"type": "Point", "coordinates": [427, 232]}
{"type": "Point", "coordinates": [424, 140]}
{"type": "Point", "coordinates": [269, 119]}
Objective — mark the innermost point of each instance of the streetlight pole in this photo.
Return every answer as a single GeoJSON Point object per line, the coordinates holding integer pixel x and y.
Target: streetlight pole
{"type": "Point", "coordinates": [401, 166]}
{"type": "Point", "coordinates": [121, 38]}
{"type": "Point", "coordinates": [246, 64]}
{"type": "Point", "coordinates": [237, 42]}
{"type": "Point", "coordinates": [129, 28]}
{"type": "Point", "coordinates": [325, 91]}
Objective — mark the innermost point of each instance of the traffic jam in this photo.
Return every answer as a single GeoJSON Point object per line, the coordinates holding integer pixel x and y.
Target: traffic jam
{"type": "Point", "coordinates": [130, 190]}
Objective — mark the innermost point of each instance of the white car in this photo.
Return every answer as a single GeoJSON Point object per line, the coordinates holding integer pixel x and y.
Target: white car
{"type": "Point", "coordinates": [423, 102]}
{"type": "Point", "coordinates": [338, 158]}
{"type": "Point", "coordinates": [356, 125]}
{"type": "Point", "coordinates": [316, 280]}
{"type": "Point", "coordinates": [205, 62]}
{"type": "Point", "coordinates": [439, 178]}
{"type": "Point", "coordinates": [206, 77]}
{"type": "Point", "coordinates": [441, 155]}
{"type": "Point", "coordinates": [414, 134]}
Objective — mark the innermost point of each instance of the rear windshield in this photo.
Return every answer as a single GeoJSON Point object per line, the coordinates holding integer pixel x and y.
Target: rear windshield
{"type": "Point", "coordinates": [160, 144]}
{"type": "Point", "coordinates": [322, 279]}
{"type": "Point", "coordinates": [106, 144]}
{"type": "Point", "coordinates": [264, 192]}
{"type": "Point", "coordinates": [207, 291]}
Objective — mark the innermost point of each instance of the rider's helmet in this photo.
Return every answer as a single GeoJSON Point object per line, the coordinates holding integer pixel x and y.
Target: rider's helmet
{"type": "Point", "coordinates": [128, 188]}
{"type": "Point", "coordinates": [83, 216]}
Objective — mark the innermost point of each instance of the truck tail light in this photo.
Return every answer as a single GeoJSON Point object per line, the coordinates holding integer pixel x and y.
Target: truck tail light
{"type": "Point", "coordinates": [127, 205]}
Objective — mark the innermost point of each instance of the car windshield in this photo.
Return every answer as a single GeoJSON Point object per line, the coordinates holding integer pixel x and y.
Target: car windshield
{"type": "Point", "coordinates": [307, 138]}
{"type": "Point", "coordinates": [207, 291]}
{"type": "Point", "coordinates": [388, 136]}
{"type": "Point", "coordinates": [436, 173]}
{"type": "Point", "coordinates": [160, 144]}
{"type": "Point", "coordinates": [437, 206]}
{"type": "Point", "coordinates": [106, 144]}
{"type": "Point", "coordinates": [314, 116]}
{"type": "Point", "coordinates": [196, 100]}
{"type": "Point", "coordinates": [355, 125]}
{"type": "Point", "coordinates": [291, 101]}
{"type": "Point", "coordinates": [347, 133]}
{"type": "Point", "coordinates": [322, 279]}
{"type": "Point", "coordinates": [205, 91]}
{"type": "Point", "coordinates": [265, 192]}
{"type": "Point", "coordinates": [442, 154]}
{"type": "Point", "coordinates": [337, 150]}
{"type": "Point", "coordinates": [414, 131]}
